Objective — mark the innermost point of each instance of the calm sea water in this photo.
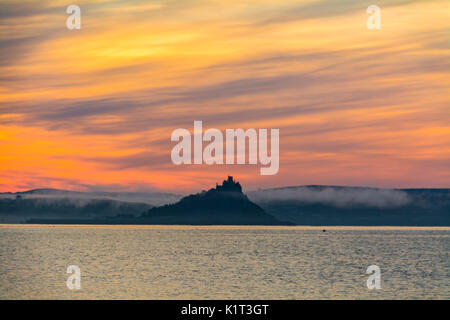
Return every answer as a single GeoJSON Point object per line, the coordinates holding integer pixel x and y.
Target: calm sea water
{"type": "Point", "coordinates": [129, 262]}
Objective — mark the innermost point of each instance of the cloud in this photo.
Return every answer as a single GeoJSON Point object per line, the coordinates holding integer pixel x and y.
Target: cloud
{"type": "Point", "coordinates": [335, 196]}
{"type": "Point", "coordinates": [133, 106]}
{"type": "Point", "coordinates": [104, 101]}
{"type": "Point", "coordinates": [327, 9]}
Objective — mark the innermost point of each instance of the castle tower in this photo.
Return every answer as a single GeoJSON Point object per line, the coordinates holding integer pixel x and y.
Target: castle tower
{"type": "Point", "coordinates": [229, 185]}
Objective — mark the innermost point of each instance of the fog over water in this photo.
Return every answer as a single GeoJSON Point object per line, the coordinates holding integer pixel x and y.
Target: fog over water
{"type": "Point", "coordinates": [337, 196]}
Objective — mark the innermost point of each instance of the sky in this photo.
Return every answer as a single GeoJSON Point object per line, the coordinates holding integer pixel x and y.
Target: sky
{"type": "Point", "coordinates": [94, 108]}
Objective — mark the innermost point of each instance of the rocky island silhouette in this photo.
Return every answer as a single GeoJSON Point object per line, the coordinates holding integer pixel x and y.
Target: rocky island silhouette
{"type": "Point", "coordinates": [225, 204]}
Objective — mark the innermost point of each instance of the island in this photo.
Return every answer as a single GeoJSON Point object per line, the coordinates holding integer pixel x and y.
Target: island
{"type": "Point", "coordinates": [225, 204]}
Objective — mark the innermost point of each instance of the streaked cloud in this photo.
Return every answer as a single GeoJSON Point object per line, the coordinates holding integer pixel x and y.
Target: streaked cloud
{"type": "Point", "coordinates": [96, 106]}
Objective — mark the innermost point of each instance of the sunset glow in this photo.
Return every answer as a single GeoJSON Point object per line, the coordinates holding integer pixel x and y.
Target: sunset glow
{"type": "Point", "coordinates": [95, 108]}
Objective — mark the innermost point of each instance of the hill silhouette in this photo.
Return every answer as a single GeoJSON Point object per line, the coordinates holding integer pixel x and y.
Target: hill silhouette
{"type": "Point", "coordinates": [21, 208]}
{"type": "Point", "coordinates": [356, 206]}
{"type": "Point", "coordinates": [223, 205]}
{"type": "Point", "coordinates": [299, 205]}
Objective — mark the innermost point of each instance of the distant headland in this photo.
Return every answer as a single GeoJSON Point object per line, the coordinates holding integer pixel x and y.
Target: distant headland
{"type": "Point", "coordinates": [225, 204]}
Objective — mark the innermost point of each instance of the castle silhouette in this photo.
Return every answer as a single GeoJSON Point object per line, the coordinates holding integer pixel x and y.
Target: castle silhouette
{"type": "Point", "coordinates": [229, 185]}
{"type": "Point", "coordinates": [225, 204]}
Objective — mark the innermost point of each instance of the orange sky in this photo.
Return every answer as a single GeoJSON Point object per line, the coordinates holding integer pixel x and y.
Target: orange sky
{"type": "Point", "coordinates": [94, 108]}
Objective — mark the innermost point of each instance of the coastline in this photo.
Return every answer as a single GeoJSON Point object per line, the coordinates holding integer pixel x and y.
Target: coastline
{"type": "Point", "coordinates": [231, 227]}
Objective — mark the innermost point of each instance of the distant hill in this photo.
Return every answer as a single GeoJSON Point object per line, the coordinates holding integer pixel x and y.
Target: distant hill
{"type": "Point", "coordinates": [151, 198]}
{"type": "Point", "coordinates": [64, 204]}
{"type": "Point", "coordinates": [223, 205]}
{"type": "Point", "coordinates": [301, 205]}
{"type": "Point", "coordinates": [356, 206]}
{"type": "Point", "coordinates": [21, 210]}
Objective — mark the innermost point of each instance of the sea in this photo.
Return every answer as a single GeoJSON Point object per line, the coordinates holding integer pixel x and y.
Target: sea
{"type": "Point", "coordinates": [223, 262]}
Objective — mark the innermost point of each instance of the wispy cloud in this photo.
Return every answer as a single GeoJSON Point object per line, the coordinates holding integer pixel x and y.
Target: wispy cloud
{"type": "Point", "coordinates": [97, 105]}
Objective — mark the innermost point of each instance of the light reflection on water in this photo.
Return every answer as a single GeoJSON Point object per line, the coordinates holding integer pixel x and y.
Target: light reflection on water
{"type": "Point", "coordinates": [135, 262]}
